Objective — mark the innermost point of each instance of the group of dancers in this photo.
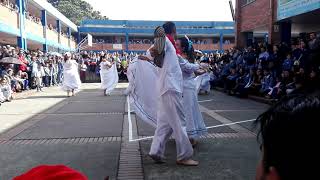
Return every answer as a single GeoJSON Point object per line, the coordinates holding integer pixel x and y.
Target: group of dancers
{"type": "Point", "coordinates": [71, 79]}
{"type": "Point", "coordinates": [163, 92]}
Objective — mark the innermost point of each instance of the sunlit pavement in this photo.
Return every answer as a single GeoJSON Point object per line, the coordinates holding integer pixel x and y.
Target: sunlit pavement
{"type": "Point", "coordinates": [90, 133]}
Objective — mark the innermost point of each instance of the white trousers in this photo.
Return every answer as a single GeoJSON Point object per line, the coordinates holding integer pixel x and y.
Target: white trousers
{"type": "Point", "coordinates": [169, 117]}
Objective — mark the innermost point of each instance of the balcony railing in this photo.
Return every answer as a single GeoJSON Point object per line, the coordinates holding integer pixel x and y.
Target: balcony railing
{"type": "Point", "coordinates": [34, 28]}
{"type": "Point", "coordinates": [106, 46]}
{"type": "Point", "coordinates": [139, 47]}
{"type": "Point", "coordinates": [52, 35]}
{"type": "Point", "coordinates": [9, 16]}
{"type": "Point", "coordinates": [64, 41]}
{"type": "Point", "coordinates": [228, 46]}
{"type": "Point", "coordinates": [73, 44]}
{"type": "Point", "coordinates": [206, 47]}
{"type": "Point", "coordinates": [144, 47]}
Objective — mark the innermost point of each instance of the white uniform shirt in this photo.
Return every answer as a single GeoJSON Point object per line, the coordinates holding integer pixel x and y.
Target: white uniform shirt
{"type": "Point", "coordinates": [170, 75]}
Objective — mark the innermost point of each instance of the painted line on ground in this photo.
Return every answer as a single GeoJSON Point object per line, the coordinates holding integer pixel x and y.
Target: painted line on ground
{"type": "Point", "coordinates": [208, 100]}
{"type": "Point", "coordinates": [150, 137]}
{"type": "Point", "coordinates": [129, 119]}
{"type": "Point", "coordinates": [210, 127]}
{"type": "Point", "coordinates": [230, 124]}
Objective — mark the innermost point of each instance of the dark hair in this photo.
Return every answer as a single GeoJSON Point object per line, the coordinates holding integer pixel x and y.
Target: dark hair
{"type": "Point", "coordinates": [289, 132]}
{"type": "Point", "coordinates": [65, 58]}
{"type": "Point", "coordinates": [187, 48]}
{"type": "Point", "coordinates": [169, 27]}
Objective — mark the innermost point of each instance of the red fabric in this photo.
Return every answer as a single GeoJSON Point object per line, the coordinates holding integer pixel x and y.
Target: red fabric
{"type": "Point", "coordinates": [56, 172]}
{"type": "Point", "coordinates": [23, 67]}
{"type": "Point", "coordinates": [173, 43]}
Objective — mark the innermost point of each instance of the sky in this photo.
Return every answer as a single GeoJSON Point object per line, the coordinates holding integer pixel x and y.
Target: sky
{"type": "Point", "coordinates": [165, 10]}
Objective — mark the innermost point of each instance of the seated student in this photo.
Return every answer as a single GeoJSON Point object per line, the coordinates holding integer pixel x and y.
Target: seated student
{"type": "Point", "coordinates": [230, 82]}
{"type": "Point", "coordinates": [14, 84]}
{"type": "Point", "coordinates": [296, 85]}
{"type": "Point", "coordinates": [266, 83]}
{"type": "Point", "coordinates": [275, 92]}
{"type": "Point", "coordinates": [287, 81]}
{"type": "Point", "coordinates": [313, 81]}
{"type": "Point", "coordinates": [22, 78]}
{"type": "Point", "coordinates": [288, 63]}
{"type": "Point", "coordinates": [215, 76]}
{"type": "Point", "coordinates": [256, 85]}
{"type": "Point", "coordinates": [242, 82]}
{"type": "Point", "coordinates": [5, 90]}
{"type": "Point", "coordinates": [287, 133]}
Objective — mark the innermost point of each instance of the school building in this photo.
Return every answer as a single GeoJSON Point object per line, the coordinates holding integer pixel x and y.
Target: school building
{"type": "Point", "coordinates": [137, 36]}
{"type": "Point", "coordinates": [275, 21]}
{"type": "Point", "coordinates": [35, 24]}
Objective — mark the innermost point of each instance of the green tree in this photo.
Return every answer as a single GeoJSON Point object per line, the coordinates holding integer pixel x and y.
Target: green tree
{"type": "Point", "coordinates": [76, 10]}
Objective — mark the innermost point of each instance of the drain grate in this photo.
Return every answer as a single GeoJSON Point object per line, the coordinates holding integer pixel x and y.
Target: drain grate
{"type": "Point", "coordinates": [78, 140]}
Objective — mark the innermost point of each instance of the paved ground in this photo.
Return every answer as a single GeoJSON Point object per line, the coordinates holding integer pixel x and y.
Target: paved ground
{"type": "Point", "coordinates": [89, 133]}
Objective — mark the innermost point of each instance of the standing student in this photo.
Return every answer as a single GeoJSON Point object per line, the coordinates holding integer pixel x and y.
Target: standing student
{"type": "Point", "coordinates": [170, 110]}
{"type": "Point", "coordinates": [83, 70]}
{"type": "Point", "coordinates": [38, 78]}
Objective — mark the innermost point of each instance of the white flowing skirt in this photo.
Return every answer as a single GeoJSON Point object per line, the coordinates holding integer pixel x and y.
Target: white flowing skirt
{"type": "Point", "coordinates": [194, 121]}
{"type": "Point", "coordinates": [109, 78]}
{"type": "Point", "coordinates": [143, 91]}
{"type": "Point", "coordinates": [71, 80]}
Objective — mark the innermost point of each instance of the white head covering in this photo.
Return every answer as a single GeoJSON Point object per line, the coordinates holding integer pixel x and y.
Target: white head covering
{"type": "Point", "coordinates": [67, 54]}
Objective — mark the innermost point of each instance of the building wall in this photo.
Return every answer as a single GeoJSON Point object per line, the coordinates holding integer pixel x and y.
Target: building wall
{"type": "Point", "coordinates": [205, 35]}
{"type": "Point", "coordinates": [255, 15]}
{"type": "Point", "coordinates": [258, 15]}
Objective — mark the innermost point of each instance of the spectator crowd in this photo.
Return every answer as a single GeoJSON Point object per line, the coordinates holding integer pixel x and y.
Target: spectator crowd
{"type": "Point", "coordinates": [262, 70]}
{"type": "Point", "coordinates": [267, 71]}
{"type": "Point", "coordinates": [9, 5]}
{"type": "Point", "coordinates": [90, 62]}
{"type": "Point", "coordinates": [35, 70]}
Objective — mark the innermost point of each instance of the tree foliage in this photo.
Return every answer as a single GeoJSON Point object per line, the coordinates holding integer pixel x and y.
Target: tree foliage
{"type": "Point", "coordinates": [76, 10]}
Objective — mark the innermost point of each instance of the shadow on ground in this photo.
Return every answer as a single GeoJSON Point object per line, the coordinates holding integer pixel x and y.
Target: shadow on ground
{"type": "Point", "coordinates": [64, 120]}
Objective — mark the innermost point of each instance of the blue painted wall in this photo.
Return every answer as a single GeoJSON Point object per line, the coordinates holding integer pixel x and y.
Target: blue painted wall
{"type": "Point", "coordinates": [291, 8]}
{"type": "Point", "coordinates": [155, 23]}
{"type": "Point", "coordinates": [147, 27]}
{"type": "Point", "coordinates": [123, 31]}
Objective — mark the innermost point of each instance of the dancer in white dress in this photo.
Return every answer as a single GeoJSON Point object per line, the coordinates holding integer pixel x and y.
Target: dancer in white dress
{"type": "Point", "coordinates": [71, 79]}
{"type": "Point", "coordinates": [108, 74]}
{"type": "Point", "coordinates": [194, 121]}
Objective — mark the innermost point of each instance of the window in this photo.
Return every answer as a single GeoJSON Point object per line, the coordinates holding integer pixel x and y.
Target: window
{"type": "Point", "coordinates": [245, 2]}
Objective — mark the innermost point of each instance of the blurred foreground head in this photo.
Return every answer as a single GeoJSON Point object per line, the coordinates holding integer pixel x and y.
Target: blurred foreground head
{"type": "Point", "coordinates": [289, 136]}
{"type": "Point", "coordinates": [56, 172]}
